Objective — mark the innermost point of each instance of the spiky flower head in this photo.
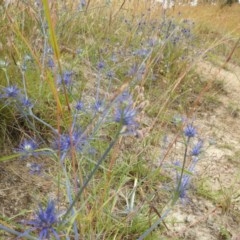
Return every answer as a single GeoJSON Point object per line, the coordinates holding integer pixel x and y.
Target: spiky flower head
{"type": "Point", "coordinates": [66, 142]}
{"type": "Point", "coordinates": [110, 74]}
{"type": "Point", "coordinates": [65, 79]}
{"type": "Point", "coordinates": [27, 148]}
{"type": "Point", "coordinates": [11, 92]}
{"type": "Point", "coordinates": [190, 131]}
{"type": "Point", "coordinates": [185, 181]}
{"type": "Point", "coordinates": [79, 106]}
{"type": "Point", "coordinates": [26, 102]}
{"type": "Point", "coordinates": [184, 186]}
{"type": "Point", "coordinates": [98, 106]}
{"type": "Point", "coordinates": [45, 221]}
{"type": "Point", "coordinates": [125, 98]}
{"type": "Point", "coordinates": [197, 148]}
{"type": "Point", "coordinates": [50, 63]}
{"type": "Point", "coordinates": [35, 168]}
{"type": "Point", "coordinates": [126, 115]}
{"type": "Point", "coordinates": [100, 65]}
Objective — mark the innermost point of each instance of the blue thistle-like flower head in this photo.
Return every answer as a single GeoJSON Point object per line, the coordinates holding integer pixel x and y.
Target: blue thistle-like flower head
{"type": "Point", "coordinates": [152, 42]}
{"type": "Point", "coordinates": [137, 71]}
{"type": "Point", "coordinates": [110, 74]}
{"type": "Point", "coordinates": [62, 143]}
{"type": "Point", "coordinates": [65, 79]}
{"type": "Point", "coordinates": [98, 106]}
{"type": "Point", "coordinates": [45, 221]}
{"type": "Point", "coordinates": [65, 142]}
{"type": "Point", "coordinates": [79, 106]}
{"type": "Point", "coordinates": [50, 63]}
{"type": "Point", "coordinates": [184, 186]}
{"type": "Point", "coordinates": [190, 131]}
{"type": "Point", "coordinates": [125, 98]}
{"type": "Point", "coordinates": [100, 65]}
{"type": "Point", "coordinates": [35, 168]}
{"type": "Point", "coordinates": [184, 182]}
{"type": "Point", "coordinates": [11, 92]}
{"type": "Point", "coordinates": [197, 148]}
{"type": "Point", "coordinates": [132, 70]}
{"type": "Point", "coordinates": [27, 148]}
{"type": "Point", "coordinates": [26, 102]}
{"type": "Point", "coordinates": [126, 115]}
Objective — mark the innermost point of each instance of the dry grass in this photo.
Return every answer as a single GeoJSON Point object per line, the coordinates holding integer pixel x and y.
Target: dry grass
{"type": "Point", "coordinates": [214, 23]}
{"type": "Point", "coordinates": [118, 202]}
{"type": "Point", "coordinates": [220, 19]}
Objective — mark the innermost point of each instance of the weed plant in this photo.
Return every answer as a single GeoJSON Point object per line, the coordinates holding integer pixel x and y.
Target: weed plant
{"type": "Point", "coordinates": [90, 86]}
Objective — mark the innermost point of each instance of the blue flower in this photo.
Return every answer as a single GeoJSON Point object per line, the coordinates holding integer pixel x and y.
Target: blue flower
{"type": "Point", "coordinates": [11, 92]}
{"type": "Point", "coordinates": [133, 70]}
{"type": "Point", "coordinates": [185, 181]}
{"type": "Point", "coordinates": [98, 106]}
{"type": "Point", "coordinates": [197, 148]}
{"type": "Point", "coordinates": [125, 98]}
{"type": "Point", "coordinates": [65, 142]}
{"type": "Point", "coordinates": [26, 102]}
{"type": "Point", "coordinates": [137, 71]}
{"type": "Point", "coordinates": [27, 148]}
{"type": "Point", "coordinates": [45, 221]}
{"type": "Point", "coordinates": [79, 106]}
{"type": "Point", "coordinates": [65, 79]}
{"type": "Point", "coordinates": [100, 65]}
{"type": "Point", "coordinates": [35, 168]}
{"type": "Point", "coordinates": [50, 63]}
{"type": "Point", "coordinates": [183, 186]}
{"type": "Point", "coordinates": [126, 116]}
{"type": "Point", "coordinates": [110, 74]}
{"type": "Point", "coordinates": [190, 131]}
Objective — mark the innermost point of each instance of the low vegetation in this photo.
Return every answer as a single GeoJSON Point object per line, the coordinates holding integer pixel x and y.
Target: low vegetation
{"type": "Point", "coordinates": [99, 100]}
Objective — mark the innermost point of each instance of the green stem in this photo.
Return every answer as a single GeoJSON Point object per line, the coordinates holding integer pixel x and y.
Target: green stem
{"type": "Point", "coordinates": [19, 234]}
{"type": "Point", "coordinates": [182, 170]}
{"type": "Point", "coordinates": [90, 176]}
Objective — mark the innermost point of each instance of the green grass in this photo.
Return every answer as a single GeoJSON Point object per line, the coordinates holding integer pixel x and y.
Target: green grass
{"type": "Point", "coordinates": [117, 202]}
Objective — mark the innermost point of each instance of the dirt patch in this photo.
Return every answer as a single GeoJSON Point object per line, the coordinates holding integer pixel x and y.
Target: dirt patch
{"type": "Point", "coordinates": [212, 210]}
{"type": "Point", "coordinates": [20, 187]}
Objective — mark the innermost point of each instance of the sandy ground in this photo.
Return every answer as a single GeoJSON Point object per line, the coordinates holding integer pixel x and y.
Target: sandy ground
{"type": "Point", "coordinates": [217, 214]}
{"type": "Point", "coordinates": [212, 213]}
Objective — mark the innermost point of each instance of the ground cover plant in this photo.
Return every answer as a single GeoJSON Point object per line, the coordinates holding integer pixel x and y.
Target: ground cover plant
{"type": "Point", "coordinates": [99, 104]}
{"type": "Point", "coordinates": [214, 24]}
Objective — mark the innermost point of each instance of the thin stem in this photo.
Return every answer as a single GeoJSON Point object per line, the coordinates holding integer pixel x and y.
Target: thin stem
{"type": "Point", "coordinates": [155, 225]}
{"type": "Point", "coordinates": [9, 230]}
{"type": "Point", "coordinates": [24, 83]}
{"type": "Point", "coordinates": [41, 121]}
{"type": "Point", "coordinates": [183, 166]}
{"type": "Point", "coordinates": [6, 75]}
{"type": "Point", "coordinates": [90, 176]}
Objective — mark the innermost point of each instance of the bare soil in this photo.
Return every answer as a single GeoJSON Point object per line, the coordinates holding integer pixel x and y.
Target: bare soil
{"type": "Point", "coordinates": [212, 210]}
